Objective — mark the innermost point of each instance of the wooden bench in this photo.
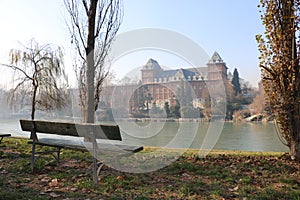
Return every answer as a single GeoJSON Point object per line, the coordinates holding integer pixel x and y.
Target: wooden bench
{"type": "Point", "coordinates": [63, 136]}
{"type": "Point", "coordinates": [2, 135]}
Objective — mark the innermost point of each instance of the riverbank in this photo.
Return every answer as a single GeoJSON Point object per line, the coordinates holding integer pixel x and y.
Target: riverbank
{"type": "Point", "coordinates": [220, 175]}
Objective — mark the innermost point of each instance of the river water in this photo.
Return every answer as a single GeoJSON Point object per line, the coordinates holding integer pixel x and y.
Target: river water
{"type": "Point", "coordinates": [227, 136]}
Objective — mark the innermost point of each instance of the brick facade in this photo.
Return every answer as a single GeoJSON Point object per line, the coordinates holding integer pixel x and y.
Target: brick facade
{"type": "Point", "coordinates": [160, 86]}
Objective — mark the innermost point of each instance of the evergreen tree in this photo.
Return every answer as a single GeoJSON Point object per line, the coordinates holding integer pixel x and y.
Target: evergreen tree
{"type": "Point", "coordinates": [236, 82]}
{"type": "Point", "coordinates": [175, 110]}
{"type": "Point", "coordinates": [155, 109]}
{"type": "Point", "coordinates": [188, 96]}
{"type": "Point", "coordinates": [167, 108]}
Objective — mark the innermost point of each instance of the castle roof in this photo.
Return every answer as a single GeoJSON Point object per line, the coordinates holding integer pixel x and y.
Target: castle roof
{"type": "Point", "coordinates": [215, 58]}
{"type": "Point", "coordinates": [152, 64]}
{"type": "Point", "coordinates": [167, 73]}
{"type": "Point", "coordinates": [187, 73]}
{"type": "Point", "coordinates": [184, 73]}
{"type": "Point", "coordinates": [202, 71]}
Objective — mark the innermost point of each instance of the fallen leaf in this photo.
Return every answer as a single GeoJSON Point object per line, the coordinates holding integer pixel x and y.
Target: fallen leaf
{"type": "Point", "coordinates": [53, 183]}
{"type": "Point", "coordinates": [54, 195]}
{"type": "Point", "coordinates": [48, 190]}
{"type": "Point", "coordinates": [234, 189]}
{"type": "Point", "coordinates": [46, 179]}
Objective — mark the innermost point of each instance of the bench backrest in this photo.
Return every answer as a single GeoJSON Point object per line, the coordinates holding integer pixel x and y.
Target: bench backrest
{"type": "Point", "coordinates": [93, 131]}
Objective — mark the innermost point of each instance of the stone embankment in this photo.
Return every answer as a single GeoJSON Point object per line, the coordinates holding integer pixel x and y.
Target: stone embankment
{"type": "Point", "coordinates": [259, 118]}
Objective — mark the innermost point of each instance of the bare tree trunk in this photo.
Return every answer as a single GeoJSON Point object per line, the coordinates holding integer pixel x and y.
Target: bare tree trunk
{"type": "Point", "coordinates": [94, 24]}
{"type": "Point", "coordinates": [295, 147]}
{"type": "Point", "coordinates": [89, 115]}
{"type": "Point", "coordinates": [35, 87]}
{"type": "Point", "coordinates": [295, 135]}
{"type": "Point", "coordinates": [288, 25]}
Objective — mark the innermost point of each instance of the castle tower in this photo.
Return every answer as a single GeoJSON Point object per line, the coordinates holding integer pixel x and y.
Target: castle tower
{"type": "Point", "coordinates": [150, 71]}
{"type": "Point", "coordinates": [216, 67]}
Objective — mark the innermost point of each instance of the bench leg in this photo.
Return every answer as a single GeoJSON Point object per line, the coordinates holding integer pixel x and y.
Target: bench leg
{"type": "Point", "coordinates": [58, 154]}
{"type": "Point", "coordinates": [95, 165]}
{"type": "Point", "coordinates": [32, 157]}
{"type": "Point", "coordinates": [95, 174]}
{"type": "Point", "coordinates": [99, 168]}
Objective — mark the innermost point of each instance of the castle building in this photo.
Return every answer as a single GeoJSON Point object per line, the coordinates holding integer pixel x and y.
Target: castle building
{"type": "Point", "coordinates": [177, 85]}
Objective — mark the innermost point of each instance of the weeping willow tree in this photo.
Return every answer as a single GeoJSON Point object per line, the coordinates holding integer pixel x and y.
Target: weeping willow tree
{"type": "Point", "coordinates": [93, 26]}
{"type": "Point", "coordinates": [39, 70]}
{"type": "Point", "coordinates": [279, 63]}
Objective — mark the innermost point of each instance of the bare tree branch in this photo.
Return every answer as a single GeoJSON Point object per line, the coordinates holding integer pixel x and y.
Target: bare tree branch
{"type": "Point", "coordinates": [18, 69]}
{"type": "Point", "coordinates": [93, 31]}
{"type": "Point", "coordinates": [85, 7]}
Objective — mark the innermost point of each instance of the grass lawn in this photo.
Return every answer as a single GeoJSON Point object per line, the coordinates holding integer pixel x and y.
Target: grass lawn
{"type": "Point", "coordinates": [220, 175]}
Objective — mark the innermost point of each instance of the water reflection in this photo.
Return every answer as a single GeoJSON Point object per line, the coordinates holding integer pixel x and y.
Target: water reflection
{"type": "Point", "coordinates": [250, 137]}
{"type": "Point", "coordinates": [234, 136]}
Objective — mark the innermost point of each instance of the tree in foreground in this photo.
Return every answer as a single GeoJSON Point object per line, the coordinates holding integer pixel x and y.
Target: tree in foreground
{"type": "Point", "coordinates": [39, 71]}
{"type": "Point", "coordinates": [279, 63]}
{"type": "Point", "coordinates": [93, 26]}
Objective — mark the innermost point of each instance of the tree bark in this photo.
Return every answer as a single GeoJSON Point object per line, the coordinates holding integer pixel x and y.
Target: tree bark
{"type": "Point", "coordinates": [89, 115]}
{"type": "Point", "coordinates": [35, 87]}
{"type": "Point", "coordinates": [295, 149]}
{"type": "Point", "coordinates": [295, 134]}
{"type": "Point", "coordinates": [288, 25]}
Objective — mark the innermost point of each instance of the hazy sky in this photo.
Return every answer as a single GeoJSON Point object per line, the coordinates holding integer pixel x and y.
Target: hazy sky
{"type": "Point", "coordinates": [226, 26]}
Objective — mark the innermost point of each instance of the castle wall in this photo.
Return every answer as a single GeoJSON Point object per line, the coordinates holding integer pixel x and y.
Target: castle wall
{"type": "Point", "coordinates": [160, 89]}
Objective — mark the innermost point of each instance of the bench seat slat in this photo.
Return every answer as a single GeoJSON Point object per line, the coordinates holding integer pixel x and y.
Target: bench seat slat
{"type": "Point", "coordinates": [60, 128]}
{"type": "Point", "coordinates": [71, 129]}
{"type": "Point", "coordinates": [2, 135]}
{"type": "Point", "coordinates": [5, 135]}
{"type": "Point", "coordinates": [63, 143]}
